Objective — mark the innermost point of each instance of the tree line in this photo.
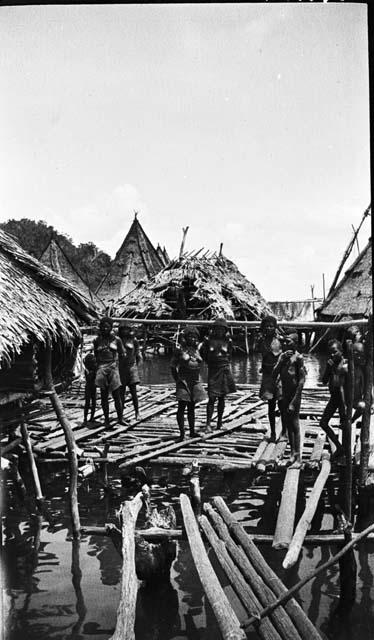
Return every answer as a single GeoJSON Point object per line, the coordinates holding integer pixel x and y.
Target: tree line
{"type": "Point", "coordinates": [90, 262]}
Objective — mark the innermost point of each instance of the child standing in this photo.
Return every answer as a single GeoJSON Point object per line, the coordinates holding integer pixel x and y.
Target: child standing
{"type": "Point", "coordinates": [291, 371]}
{"type": "Point", "coordinates": [270, 390]}
{"type": "Point", "coordinates": [90, 367]}
{"type": "Point", "coordinates": [335, 376]}
{"type": "Point", "coordinates": [128, 365]}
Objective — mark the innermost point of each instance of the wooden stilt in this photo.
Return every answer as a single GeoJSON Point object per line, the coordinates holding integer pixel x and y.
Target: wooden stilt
{"type": "Point", "coordinates": [226, 618]}
{"type": "Point", "coordinates": [195, 488]}
{"type": "Point", "coordinates": [70, 443]}
{"type": "Point", "coordinates": [347, 435]}
{"type": "Point", "coordinates": [365, 426]}
{"type": "Point", "coordinates": [34, 470]}
{"type": "Point", "coordinates": [129, 584]}
{"type": "Point", "coordinates": [347, 569]}
{"type": "Point", "coordinates": [306, 519]}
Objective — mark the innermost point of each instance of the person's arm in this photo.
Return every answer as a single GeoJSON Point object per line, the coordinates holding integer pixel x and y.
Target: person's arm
{"type": "Point", "coordinates": [174, 365]}
{"type": "Point", "coordinates": [96, 350]}
{"type": "Point", "coordinates": [120, 347]}
{"type": "Point", "coordinates": [137, 351]}
{"type": "Point", "coordinates": [300, 383]}
{"type": "Point", "coordinates": [343, 379]}
{"type": "Point", "coordinates": [204, 349]}
{"type": "Point", "coordinates": [327, 373]}
{"type": "Point", "coordinates": [278, 365]}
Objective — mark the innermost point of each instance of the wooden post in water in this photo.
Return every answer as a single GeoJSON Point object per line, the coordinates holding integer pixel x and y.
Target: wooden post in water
{"type": "Point", "coordinates": [129, 584]}
{"type": "Point", "coordinates": [70, 443]}
{"type": "Point", "coordinates": [347, 434]}
{"type": "Point", "coordinates": [195, 488]}
{"type": "Point", "coordinates": [365, 425]}
{"type": "Point", "coordinates": [34, 470]}
{"type": "Point", "coordinates": [347, 568]}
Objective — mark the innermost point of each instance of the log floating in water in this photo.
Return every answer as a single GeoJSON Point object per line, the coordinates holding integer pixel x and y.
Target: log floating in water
{"type": "Point", "coordinates": [306, 519]}
{"type": "Point", "coordinates": [226, 618]}
{"type": "Point", "coordinates": [287, 510]}
{"type": "Point", "coordinates": [300, 619]}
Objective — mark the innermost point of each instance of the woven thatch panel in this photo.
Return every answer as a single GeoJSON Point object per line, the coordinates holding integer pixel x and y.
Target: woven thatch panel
{"type": "Point", "coordinates": [35, 302]}
{"type": "Point", "coordinates": [353, 295]}
{"type": "Point", "coordinates": [209, 286]}
{"type": "Point", "coordinates": [137, 260]}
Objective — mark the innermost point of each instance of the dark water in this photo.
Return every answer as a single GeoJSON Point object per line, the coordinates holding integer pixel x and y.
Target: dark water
{"type": "Point", "coordinates": [59, 589]}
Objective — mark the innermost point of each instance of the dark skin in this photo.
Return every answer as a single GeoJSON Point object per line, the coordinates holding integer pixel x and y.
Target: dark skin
{"type": "Point", "coordinates": [128, 334]}
{"type": "Point", "coordinates": [105, 331]}
{"type": "Point", "coordinates": [191, 341]}
{"type": "Point", "coordinates": [335, 363]}
{"type": "Point", "coordinates": [269, 333]}
{"type": "Point", "coordinates": [90, 402]}
{"type": "Point", "coordinates": [219, 334]}
{"type": "Point", "coordinates": [292, 375]}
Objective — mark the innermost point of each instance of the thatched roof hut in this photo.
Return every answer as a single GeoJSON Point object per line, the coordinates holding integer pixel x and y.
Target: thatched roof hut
{"type": "Point", "coordinates": [195, 286]}
{"type": "Point", "coordinates": [55, 258]}
{"type": "Point", "coordinates": [136, 260]}
{"type": "Point", "coordinates": [353, 295]}
{"type": "Point", "coordinates": [35, 304]}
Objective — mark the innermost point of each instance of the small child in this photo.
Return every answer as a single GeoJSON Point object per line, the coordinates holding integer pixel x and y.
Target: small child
{"type": "Point", "coordinates": [291, 370]}
{"type": "Point", "coordinates": [90, 368]}
{"type": "Point", "coordinates": [335, 376]}
{"type": "Point", "coordinates": [270, 391]}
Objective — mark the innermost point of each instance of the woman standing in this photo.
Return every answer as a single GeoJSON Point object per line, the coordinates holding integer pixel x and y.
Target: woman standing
{"type": "Point", "coordinates": [185, 369]}
{"type": "Point", "coordinates": [216, 350]}
{"type": "Point", "coordinates": [128, 365]}
{"type": "Point", "coordinates": [270, 389]}
{"type": "Point", "coordinates": [108, 348]}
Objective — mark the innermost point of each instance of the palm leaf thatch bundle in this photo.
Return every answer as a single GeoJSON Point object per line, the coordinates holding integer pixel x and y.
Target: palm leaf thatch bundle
{"type": "Point", "coordinates": [195, 286]}
{"type": "Point", "coordinates": [35, 302]}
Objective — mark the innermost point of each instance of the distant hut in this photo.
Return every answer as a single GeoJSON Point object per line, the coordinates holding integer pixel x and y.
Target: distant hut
{"type": "Point", "coordinates": [136, 261]}
{"type": "Point", "coordinates": [195, 286]}
{"type": "Point", "coordinates": [36, 304]}
{"type": "Point", "coordinates": [55, 258]}
{"type": "Point", "coordinates": [163, 255]}
{"type": "Point", "coordinates": [353, 295]}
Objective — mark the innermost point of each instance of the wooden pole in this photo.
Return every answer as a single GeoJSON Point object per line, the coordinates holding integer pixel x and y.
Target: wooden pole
{"type": "Point", "coordinates": [70, 443]}
{"type": "Point", "coordinates": [324, 287]}
{"type": "Point", "coordinates": [347, 434]}
{"type": "Point", "coordinates": [297, 615]}
{"type": "Point", "coordinates": [287, 510]}
{"type": "Point", "coordinates": [347, 568]}
{"type": "Point", "coordinates": [253, 324]}
{"type": "Point", "coordinates": [30, 455]}
{"type": "Point", "coordinates": [129, 584]}
{"type": "Point", "coordinates": [184, 231]}
{"type": "Point", "coordinates": [226, 618]}
{"type": "Point", "coordinates": [365, 425]}
{"type": "Point", "coordinates": [195, 488]}
{"type": "Point", "coordinates": [307, 517]}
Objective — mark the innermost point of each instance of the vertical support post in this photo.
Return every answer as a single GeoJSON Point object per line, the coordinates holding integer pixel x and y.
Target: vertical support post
{"type": "Point", "coordinates": [105, 464]}
{"type": "Point", "coordinates": [184, 230]}
{"type": "Point", "coordinates": [312, 290]}
{"type": "Point", "coordinates": [70, 443]}
{"type": "Point", "coordinates": [347, 434]}
{"type": "Point", "coordinates": [365, 423]}
{"type": "Point", "coordinates": [347, 568]}
{"type": "Point", "coordinates": [34, 470]}
{"type": "Point", "coordinates": [195, 488]}
{"type": "Point", "coordinates": [246, 338]}
{"type": "Point", "coordinates": [324, 287]}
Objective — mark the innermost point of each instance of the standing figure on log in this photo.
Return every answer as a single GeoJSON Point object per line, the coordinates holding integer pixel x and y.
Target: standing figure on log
{"type": "Point", "coordinates": [108, 348]}
{"type": "Point", "coordinates": [128, 365]}
{"type": "Point", "coordinates": [185, 369]}
{"type": "Point", "coordinates": [90, 368]}
{"type": "Point", "coordinates": [291, 371]}
{"type": "Point", "coordinates": [216, 350]}
{"type": "Point", "coordinates": [270, 389]}
{"type": "Point", "coordinates": [336, 376]}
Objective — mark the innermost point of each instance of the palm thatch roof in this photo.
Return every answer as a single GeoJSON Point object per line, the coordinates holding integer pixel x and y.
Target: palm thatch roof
{"type": "Point", "coordinates": [35, 302]}
{"type": "Point", "coordinates": [353, 296]}
{"type": "Point", "coordinates": [55, 258]}
{"type": "Point", "coordinates": [136, 260]}
{"type": "Point", "coordinates": [209, 286]}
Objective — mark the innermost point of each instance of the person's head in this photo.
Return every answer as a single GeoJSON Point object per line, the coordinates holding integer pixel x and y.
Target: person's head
{"type": "Point", "coordinates": [290, 341]}
{"type": "Point", "coordinates": [354, 333]}
{"type": "Point", "coordinates": [125, 330]}
{"type": "Point", "coordinates": [105, 325]}
{"type": "Point", "coordinates": [268, 325]}
{"type": "Point", "coordinates": [335, 350]}
{"type": "Point", "coordinates": [358, 353]}
{"type": "Point", "coordinates": [219, 328]}
{"type": "Point", "coordinates": [191, 336]}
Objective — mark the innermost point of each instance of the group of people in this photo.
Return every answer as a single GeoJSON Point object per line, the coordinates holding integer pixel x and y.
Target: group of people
{"type": "Point", "coordinates": [113, 367]}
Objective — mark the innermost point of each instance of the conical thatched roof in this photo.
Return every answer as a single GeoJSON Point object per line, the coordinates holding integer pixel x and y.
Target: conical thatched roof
{"type": "Point", "coordinates": [135, 261]}
{"type": "Point", "coordinates": [55, 258]}
{"type": "Point", "coordinates": [35, 302]}
{"type": "Point", "coordinates": [194, 285]}
{"type": "Point", "coordinates": [353, 295]}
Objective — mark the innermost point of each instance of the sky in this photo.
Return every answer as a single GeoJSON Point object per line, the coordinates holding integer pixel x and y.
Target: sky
{"type": "Point", "coordinates": [249, 123]}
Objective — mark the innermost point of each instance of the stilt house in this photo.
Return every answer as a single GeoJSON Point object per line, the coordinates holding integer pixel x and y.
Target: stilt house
{"type": "Point", "coordinates": [36, 305]}
{"type": "Point", "coordinates": [136, 261]}
{"type": "Point", "coordinates": [353, 295]}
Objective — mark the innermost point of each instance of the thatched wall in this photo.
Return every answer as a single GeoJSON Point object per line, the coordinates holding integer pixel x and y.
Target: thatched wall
{"type": "Point", "coordinates": [353, 295]}
{"type": "Point", "coordinates": [202, 286]}
{"type": "Point", "coordinates": [35, 303]}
